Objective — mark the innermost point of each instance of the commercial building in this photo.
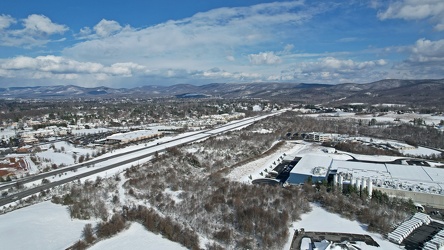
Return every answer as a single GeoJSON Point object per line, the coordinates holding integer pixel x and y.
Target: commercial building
{"type": "Point", "coordinates": [133, 136]}
{"type": "Point", "coordinates": [310, 166]}
{"type": "Point", "coordinates": [319, 137]}
{"type": "Point", "coordinates": [422, 184]}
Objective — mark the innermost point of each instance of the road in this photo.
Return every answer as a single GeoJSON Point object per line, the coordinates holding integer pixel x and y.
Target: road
{"type": "Point", "coordinates": [154, 147]}
{"type": "Point", "coordinates": [120, 159]}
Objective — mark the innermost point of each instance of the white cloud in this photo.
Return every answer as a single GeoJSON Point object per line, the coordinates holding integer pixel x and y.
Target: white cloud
{"type": "Point", "coordinates": [253, 43]}
{"type": "Point", "coordinates": [204, 36]}
{"type": "Point", "coordinates": [35, 32]}
{"type": "Point", "coordinates": [84, 33]}
{"type": "Point", "coordinates": [427, 51]}
{"type": "Point", "coordinates": [6, 21]}
{"type": "Point", "coordinates": [416, 10]}
{"type": "Point", "coordinates": [264, 58]}
{"type": "Point", "coordinates": [180, 51]}
{"type": "Point", "coordinates": [334, 64]}
{"type": "Point", "coordinates": [227, 38]}
{"type": "Point", "coordinates": [230, 58]}
{"type": "Point", "coordinates": [124, 69]}
{"type": "Point", "coordinates": [348, 39]}
{"type": "Point", "coordinates": [56, 66]}
{"type": "Point", "coordinates": [103, 29]}
{"type": "Point", "coordinates": [217, 73]}
{"type": "Point", "coordinates": [106, 28]}
{"type": "Point", "coordinates": [332, 69]}
{"type": "Point", "coordinates": [375, 4]}
{"type": "Point", "coordinates": [288, 48]}
{"type": "Point", "coordinates": [425, 61]}
{"type": "Point", "coordinates": [41, 25]}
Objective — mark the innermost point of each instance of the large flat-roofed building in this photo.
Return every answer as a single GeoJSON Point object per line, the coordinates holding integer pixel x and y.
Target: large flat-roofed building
{"type": "Point", "coordinates": [397, 176]}
{"type": "Point", "coordinates": [310, 166]}
{"type": "Point", "coordinates": [360, 169]}
{"type": "Point", "coordinates": [134, 136]}
{"type": "Point", "coordinates": [424, 185]}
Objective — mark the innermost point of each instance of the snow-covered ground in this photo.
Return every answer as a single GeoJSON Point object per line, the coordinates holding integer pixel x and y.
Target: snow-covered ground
{"type": "Point", "coordinates": [48, 226]}
{"type": "Point", "coordinates": [402, 147]}
{"type": "Point", "coordinates": [137, 237]}
{"type": "Point", "coordinates": [420, 151]}
{"type": "Point", "coordinates": [7, 133]}
{"type": "Point", "coordinates": [429, 119]}
{"type": "Point", "coordinates": [55, 216]}
{"type": "Point", "coordinates": [323, 221]}
{"type": "Point", "coordinates": [41, 226]}
{"type": "Point", "coordinates": [32, 168]}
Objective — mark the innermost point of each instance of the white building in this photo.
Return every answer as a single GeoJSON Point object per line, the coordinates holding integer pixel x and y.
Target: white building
{"type": "Point", "coordinates": [318, 137]}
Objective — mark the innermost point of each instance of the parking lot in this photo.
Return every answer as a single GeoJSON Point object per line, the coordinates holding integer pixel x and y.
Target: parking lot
{"type": "Point", "coordinates": [284, 168]}
{"type": "Point", "coordinates": [332, 237]}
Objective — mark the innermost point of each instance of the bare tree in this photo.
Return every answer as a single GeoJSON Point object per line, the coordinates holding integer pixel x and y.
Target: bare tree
{"type": "Point", "coordinates": [88, 233]}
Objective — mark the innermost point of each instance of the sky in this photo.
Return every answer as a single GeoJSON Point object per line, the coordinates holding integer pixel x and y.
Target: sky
{"type": "Point", "coordinates": [125, 44]}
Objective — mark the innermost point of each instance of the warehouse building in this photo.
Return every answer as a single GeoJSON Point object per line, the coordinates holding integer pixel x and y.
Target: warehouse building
{"type": "Point", "coordinates": [310, 166]}
{"type": "Point", "coordinates": [424, 185]}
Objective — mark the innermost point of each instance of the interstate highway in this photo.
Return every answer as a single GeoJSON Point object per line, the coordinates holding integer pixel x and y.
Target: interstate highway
{"type": "Point", "coordinates": [120, 159]}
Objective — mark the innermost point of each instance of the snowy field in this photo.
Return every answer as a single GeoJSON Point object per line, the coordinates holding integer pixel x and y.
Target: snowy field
{"type": "Point", "coordinates": [7, 133]}
{"type": "Point", "coordinates": [403, 147]}
{"type": "Point", "coordinates": [137, 237]}
{"type": "Point", "coordinates": [48, 226]}
{"type": "Point", "coordinates": [420, 151]}
{"type": "Point", "coordinates": [429, 119]}
{"type": "Point", "coordinates": [41, 226]}
{"type": "Point", "coordinates": [316, 221]}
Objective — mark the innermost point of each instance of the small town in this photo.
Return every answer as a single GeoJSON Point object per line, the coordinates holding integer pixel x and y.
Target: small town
{"type": "Point", "coordinates": [46, 153]}
{"type": "Point", "coordinates": [213, 125]}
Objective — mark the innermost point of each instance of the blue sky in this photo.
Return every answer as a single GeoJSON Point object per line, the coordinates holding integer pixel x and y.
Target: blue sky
{"type": "Point", "coordinates": [134, 43]}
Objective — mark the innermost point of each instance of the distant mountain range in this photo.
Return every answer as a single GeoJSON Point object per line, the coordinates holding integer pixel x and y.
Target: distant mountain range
{"type": "Point", "coordinates": [427, 92]}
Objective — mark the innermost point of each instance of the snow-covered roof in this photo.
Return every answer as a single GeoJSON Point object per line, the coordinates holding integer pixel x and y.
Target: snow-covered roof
{"type": "Point", "coordinates": [361, 169]}
{"type": "Point", "coordinates": [436, 174]}
{"type": "Point", "coordinates": [408, 177]}
{"type": "Point", "coordinates": [311, 161]}
{"type": "Point", "coordinates": [132, 135]}
{"type": "Point", "coordinates": [407, 172]}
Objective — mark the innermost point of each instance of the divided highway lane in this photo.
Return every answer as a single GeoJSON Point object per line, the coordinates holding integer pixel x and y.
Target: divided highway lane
{"type": "Point", "coordinates": [113, 156]}
{"type": "Point", "coordinates": [38, 189]}
{"type": "Point", "coordinates": [129, 157]}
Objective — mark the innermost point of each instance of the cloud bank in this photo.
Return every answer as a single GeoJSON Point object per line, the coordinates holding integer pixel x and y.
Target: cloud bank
{"type": "Point", "coordinates": [433, 10]}
{"type": "Point", "coordinates": [35, 30]}
{"type": "Point", "coordinates": [276, 41]}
